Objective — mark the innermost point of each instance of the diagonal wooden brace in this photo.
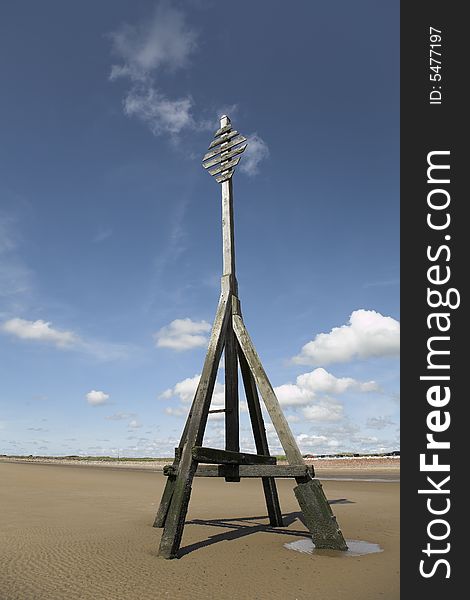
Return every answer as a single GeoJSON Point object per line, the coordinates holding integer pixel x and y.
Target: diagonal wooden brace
{"type": "Point", "coordinates": [174, 524]}
{"type": "Point", "coordinates": [318, 515]}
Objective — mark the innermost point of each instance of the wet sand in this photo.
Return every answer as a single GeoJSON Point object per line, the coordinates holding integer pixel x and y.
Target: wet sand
{"type": "Point", "coordinates": [68, 533]}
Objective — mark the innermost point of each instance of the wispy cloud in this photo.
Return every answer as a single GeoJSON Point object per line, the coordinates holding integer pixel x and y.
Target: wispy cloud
{"type": "Point", "coordinates": [120, 416]}
{"type": "Point", "coordinates": [102, 234]}
{"type": "Point", "coordinates": [40, 331]}
{"type": "Point", "coordinates": [256, 151]}
{"type": "Point", "coordinates": [379, 422]}
{"type": "Point", "coordinates": [15, 276]}
{"type": "Point", "coordinates": [367, 334]}
{"type": "Point", "coordinates": [97, 398]}
{"type": "Point", "coordinates": [183, 334]}
{"type": "Point", "coordinates": [165, 41]}
{"type": "Point", "coordinates": [383, 283]}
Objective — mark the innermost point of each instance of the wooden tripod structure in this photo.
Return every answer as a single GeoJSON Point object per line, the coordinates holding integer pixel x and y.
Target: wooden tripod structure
{"type": "Point", "coordinates": [230, 335]}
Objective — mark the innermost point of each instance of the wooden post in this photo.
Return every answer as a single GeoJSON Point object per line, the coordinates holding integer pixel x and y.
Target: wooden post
{"type": "Point", "coordinates": [261, 441]}
{"type": "Point", "coordinates": [232, 426]}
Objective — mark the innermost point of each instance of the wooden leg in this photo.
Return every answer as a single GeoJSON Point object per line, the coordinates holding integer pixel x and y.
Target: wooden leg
{"type": "Point", "coordinates": [318, 515]}
{"type": "Point", "coordinates": [173, 530]}
{"type": "Point", "coordinates": [261, 441]}
{"type": "Point", "coordinates": [232, 427]}
{"type": "Point", "coordinates": [171, 481]}
{"type": "Point", "coordinates": [165, 501]}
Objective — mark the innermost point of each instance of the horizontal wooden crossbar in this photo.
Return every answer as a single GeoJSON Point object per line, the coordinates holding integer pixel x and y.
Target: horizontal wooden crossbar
{"type": "Point", "coordinates": [227, 457]}
{"type": "Point", "coordinates": [247, 471]}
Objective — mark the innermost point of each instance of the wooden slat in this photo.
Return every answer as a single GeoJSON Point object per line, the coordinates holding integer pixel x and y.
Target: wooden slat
{"type": "Point", "coordinates": [224, 156]}
{"type": "Point", "coordinates": [225, 457]}
{"type": "Point", "coordinates": [226, 175]}
{"type": "Point", "coordinates": [223, 167]}
{"type": "Point", "coordinates": [223, 138]}
{"type": "Point", "coordinates": [252, 471]}
{"type": "Point", "coordinates": [238, 140]}
{"type": "Point", "coordinates": [223, 129]}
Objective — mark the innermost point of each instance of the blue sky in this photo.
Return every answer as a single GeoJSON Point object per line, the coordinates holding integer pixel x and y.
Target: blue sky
{"type": "Point", "coordinates": [110, 236]}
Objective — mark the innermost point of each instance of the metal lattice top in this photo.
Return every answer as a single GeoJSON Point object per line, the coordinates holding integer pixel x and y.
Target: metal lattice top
{"type": "Point", "coordinates": [224, 150]}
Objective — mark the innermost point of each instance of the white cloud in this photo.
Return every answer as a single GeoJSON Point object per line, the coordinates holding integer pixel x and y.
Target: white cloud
{"type": "Point", "coordinates": [183, 334]}
{"type": "Point", "coordinates": [39, 331]}
{"type": "Point", "coordinates": [184, 392]}
{"type": "Point", "coordinates": [134, 424]}
{"type": "Point", "coordinates": [256, 151]}
{"type": "Point", "coordinates": [319, 381]}
{"type": "Point", "coordinates": [326, 409]}
{"type": "Point", "coordinates": [367, 334]}
{"type": "Point", "coordinates": [96, 397]}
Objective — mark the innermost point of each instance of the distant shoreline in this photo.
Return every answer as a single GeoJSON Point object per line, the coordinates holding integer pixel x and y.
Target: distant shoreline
{"type": "Point", "coordinates": [333, 466]}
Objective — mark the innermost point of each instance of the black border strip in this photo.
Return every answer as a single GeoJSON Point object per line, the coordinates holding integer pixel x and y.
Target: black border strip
{"type": "Point", "coordinates": [426, 128]}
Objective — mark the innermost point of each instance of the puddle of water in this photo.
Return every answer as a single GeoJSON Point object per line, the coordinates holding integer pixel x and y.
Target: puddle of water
{"type": "Point", "coordinates": [355, 548]}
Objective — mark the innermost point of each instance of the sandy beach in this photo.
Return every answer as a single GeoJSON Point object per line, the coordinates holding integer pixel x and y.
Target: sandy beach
{"type": "Point", "coordinates": [86, 532]}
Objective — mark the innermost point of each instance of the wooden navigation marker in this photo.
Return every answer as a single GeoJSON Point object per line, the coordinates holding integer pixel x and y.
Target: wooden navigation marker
{"type": "Point", "coordinates": [229, 335]}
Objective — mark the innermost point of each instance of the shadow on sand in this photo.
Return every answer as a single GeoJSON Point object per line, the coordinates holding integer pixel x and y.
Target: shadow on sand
{"type": "Point", "coordinates": [234, 529]}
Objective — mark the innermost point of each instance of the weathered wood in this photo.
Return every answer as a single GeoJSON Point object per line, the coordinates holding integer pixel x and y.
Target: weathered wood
{"type": "Point", "coordinates": [223, 129]}
{"type": "Point", "coordinates": [224, 156]}
{"type": "Point", "coordinates": [224, 147]}
{"type": "Point", "coordinates": [215, 456]}
{"type": "Point", "coordinates": [226, 175]}
{"type": "Point", "coordinates": [165, 501]}
{"type": "Point", "coordinates": [259, 431]}
{"type": "Point", "coordinates": [223, 138]}
{"type": "Point", "coordinates": [250, 471]}
{"type": "Point", "coordinates": [173, 530]}
{"type": "Point", "coordinates": [278, 419]}
{"type": "Point", "coordinates": [228, 234]}
{"type": "Point", "coordinates": [319, 517]}
{"type": "Point", "coordinates": [225, 166]}
{"type": "Point", "coordinates": [218, 410]}
{"type": "Point", "coordinates": [166, 498]}
{"type": "Point", "coordinates": [232, 426]}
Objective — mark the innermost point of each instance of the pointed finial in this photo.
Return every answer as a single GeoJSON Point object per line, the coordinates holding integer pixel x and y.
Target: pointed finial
{"type": "Point", "coordinates": [224, 120]}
